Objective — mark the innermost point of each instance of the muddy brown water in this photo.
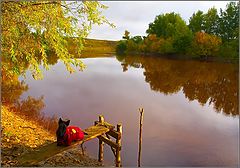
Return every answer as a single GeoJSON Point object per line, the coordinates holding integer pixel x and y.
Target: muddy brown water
{"type": "Point", "coordinates": [191, 108]}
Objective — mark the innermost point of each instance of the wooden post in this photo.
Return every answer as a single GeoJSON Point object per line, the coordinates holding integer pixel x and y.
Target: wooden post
{"type": "Point", "coordinates": [141, 110]}
{"type": "Point", "coordinates": [101, 119]}
{"type": "Point", "coordinates": [100, 153]}
{"type": "Point", "coordinates": [101, 143]}
{"type": "Point", "coordinates": [118, 141]}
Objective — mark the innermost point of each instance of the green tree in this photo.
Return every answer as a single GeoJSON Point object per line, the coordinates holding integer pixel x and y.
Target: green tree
{"type": "Point", "coordinates": [182, 44]}
{"type": "Point", "coordinates": [196, 21]}
{"type": "Point", "coordinates": [229, 50]}
{"type": "Point", "coordinates": [210, 21]}
{"type": "Point", "coordinates": [133, 43]}
{"type": "Point", "coordinates": [137, 39]}
{"type": "Point", "coordinates": [166, 46]}
{"type": "Point", "coordinates": [168, 25]}
{"type": "Point", "coordinates": [32, 28]}
{"type": "Point", "coordinates": [131, 46]}
{"type": "Point", "coordinates": [229, 22]}
{"type": "Point", "coordinates": [207, 22]}
{"type": "Point", "coordinates": [121, 47]}
{"type": "Point", "coordinates": [171, 25]}
{"type": "Point", "coordinates": [126, 35]}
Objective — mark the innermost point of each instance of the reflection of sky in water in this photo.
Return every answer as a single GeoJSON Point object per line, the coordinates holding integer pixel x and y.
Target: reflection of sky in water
{"type": "Point", "coordinates": [176, 131]}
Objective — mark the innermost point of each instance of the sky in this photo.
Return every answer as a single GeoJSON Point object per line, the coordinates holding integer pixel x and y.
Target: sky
{"type": "Point", "coordinates": [135, 16]}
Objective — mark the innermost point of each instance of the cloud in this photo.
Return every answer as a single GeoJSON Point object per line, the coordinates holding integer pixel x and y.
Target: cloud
{"type": "Point", "coordinates": [135, 16]}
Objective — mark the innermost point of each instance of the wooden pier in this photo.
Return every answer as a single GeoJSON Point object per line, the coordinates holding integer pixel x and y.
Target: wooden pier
{"type": "Point", "coordinates": [101, 130]}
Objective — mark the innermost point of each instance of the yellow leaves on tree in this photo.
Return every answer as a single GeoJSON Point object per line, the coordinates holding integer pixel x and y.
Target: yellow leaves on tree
{"type": "Point", "coordinates": [205, 44]}
{"type": "Point", "coordinates": [30, 29]}
{"type": "Point", "coordinates": [154, 44]}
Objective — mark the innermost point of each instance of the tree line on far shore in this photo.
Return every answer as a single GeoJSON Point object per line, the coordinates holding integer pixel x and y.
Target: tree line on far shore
{"type": "Point", "coordinates": [209, 34]}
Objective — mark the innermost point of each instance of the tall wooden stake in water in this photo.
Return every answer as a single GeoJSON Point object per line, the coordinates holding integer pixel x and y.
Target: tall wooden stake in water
{"type": "Point", "coordinates": [118, 141]}
{"type": "Point", "coordinates": [141, 110]}
{"type": "Point", "coordinates": [101, 143]}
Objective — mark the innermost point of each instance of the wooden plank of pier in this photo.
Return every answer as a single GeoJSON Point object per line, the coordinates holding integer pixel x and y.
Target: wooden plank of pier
{"type": "Point", "coordinates": [32, 158]}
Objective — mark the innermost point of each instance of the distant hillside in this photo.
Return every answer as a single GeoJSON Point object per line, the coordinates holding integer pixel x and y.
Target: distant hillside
{"type": "Point", "coordinates": [94, 47]}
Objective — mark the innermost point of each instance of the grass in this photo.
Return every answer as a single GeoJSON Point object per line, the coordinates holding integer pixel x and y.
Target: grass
{"type": "Point", "coordinates": [93, 47]}
{"type": "Point", "coordinates": [19, 136]}
{"type": "Point", "coordinates": [18, 130]}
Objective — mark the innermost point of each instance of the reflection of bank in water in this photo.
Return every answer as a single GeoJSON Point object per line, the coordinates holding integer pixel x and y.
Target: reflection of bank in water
{"type": "Point", "coordinates": [206, 82]}
{"type": "Point", "coordinates": [29, 108]}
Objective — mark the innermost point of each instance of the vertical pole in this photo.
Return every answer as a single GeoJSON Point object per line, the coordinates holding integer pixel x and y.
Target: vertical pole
{"type": "Point", "coordinates": [100, 153]}
{"type": "Point", "coordinates": [82, 148]}
{"type": "Point", "coordinates": [141, 110]}
{"type": "Point", "coordinates": [101, 143]}
{"type": "Point", "coordinates": [101, 119]}
{"type": "Point", "coordinates": [118, 141]}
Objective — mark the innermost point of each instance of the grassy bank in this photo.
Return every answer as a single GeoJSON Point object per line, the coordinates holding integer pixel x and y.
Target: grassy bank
{"type": "Point", "coordinates": [184, 57]}
{"type": "Point", "coordinates": [20, 136]}
{"type": "Point", "coordinates": [99, 46]}
{"type": "Point", "coordinates": [93, 47]}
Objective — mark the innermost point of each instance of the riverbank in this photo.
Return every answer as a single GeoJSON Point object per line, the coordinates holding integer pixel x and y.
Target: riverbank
{"type": "Point", "coordinates": [20, 136]}
{"type": "Point", "coordinates": [95, 47]}
{"type": "Point", "coordinates": [185, 57]}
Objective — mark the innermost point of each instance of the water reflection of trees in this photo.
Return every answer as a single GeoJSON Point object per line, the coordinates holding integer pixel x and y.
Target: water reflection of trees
{"type": "Point", "coordinates": [29, 108]}
{"type": "Point", "coordinates": [213, 83]}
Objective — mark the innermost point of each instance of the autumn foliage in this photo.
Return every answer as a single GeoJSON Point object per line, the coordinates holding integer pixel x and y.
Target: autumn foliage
{"type": "Point", "coordinates": [205, 44]}
{"type": "Point", "coordinates": [31, 29]}
{"type": "Point", "coordinates": [207, 35]}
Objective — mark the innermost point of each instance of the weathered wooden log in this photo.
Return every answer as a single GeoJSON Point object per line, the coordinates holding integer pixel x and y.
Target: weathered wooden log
{"type": "Point", "coordinates": [114, 134]}
{"type": "Point", "coordinates": [105, 124]}
{"type": "Point", "coordinates": [109, 142]}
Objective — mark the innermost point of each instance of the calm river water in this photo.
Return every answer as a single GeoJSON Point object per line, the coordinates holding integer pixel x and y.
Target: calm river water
{"type": "Point", "coordinates": [191, 108]}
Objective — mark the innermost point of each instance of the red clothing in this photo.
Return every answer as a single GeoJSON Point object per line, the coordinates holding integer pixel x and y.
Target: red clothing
{"type": "Point", "coordinates": [73, 134]}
